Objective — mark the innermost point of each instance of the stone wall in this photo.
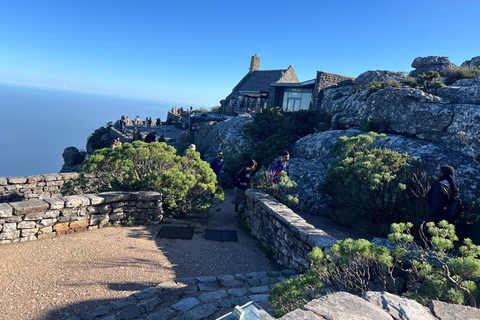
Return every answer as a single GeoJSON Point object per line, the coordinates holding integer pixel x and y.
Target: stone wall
{"type": "Point", "coordinates": [286, 235]}
{"type": "Point", "coordinates": [33, 187]}
{"type": "Point", "coordinates": [325, 80]}
{"type": "Point", "coordinates": [49, 217]}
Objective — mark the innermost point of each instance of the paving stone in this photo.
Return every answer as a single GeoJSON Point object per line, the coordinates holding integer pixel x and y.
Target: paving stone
{"type": "Point", "coordinates": [129, 313]}
{"type": "Point", "coordinates": [209, 286]}
{"type": "Point", "coordinates": [164, 314]}
{"type": "Point", "coordinates": [186, 280]}
{"type": "Point", "coordinates": [206, 279]}
{"type": "Point", "coordinates": [226, 277]}
{"type": "Point", "coordinates": [122, 303]}
{"type": "Point", "coordinates": [100, 311]}
{"type": "Point", "coordinates": [261, 289]}
{"type": "Point", "coordinates": [201, 312]}
{"type": "Point", "coordinates": [237, 292]}
{"type": "Point", "coordinates": [190, 289]}
{"type": "Point", "coordinates": [232, 283]}
{"type": "Point", "coordinates": [254, 282]}
{"type": "Point", "coordinates": [274, 273]}
{"type": "Point", "coordinates": [268, 280]}
{"type": "Point", "coordinates": [261, 274]}
{"type": "Point", "coordinates": [240, 301]}
{"type": "Point", "coordinates": [148, 293]}
{"type": "Point", "coordinates": [215, 295]}
{"type": "Point", "coordinates": [168, 285]}
{"type": "Point", "coordinates": [110, 317]}
{"type": "Point", "coordinates": [148, 305]}
{"type": "Point", "coordinates": [170, 295]}
{"type": "Point", "coordinates": [259, 297]}
{"type": "Point", "coordinates": [225, 303]}
{"type": "Point", "coordinates": [31, 206]}
{"type": "Point", "coordinates": [241, 276]}
{"type": "Point", "coordinates": [185, 304]}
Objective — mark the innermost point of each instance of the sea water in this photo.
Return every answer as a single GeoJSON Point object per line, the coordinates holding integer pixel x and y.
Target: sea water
{"type": "Point", "coordinates": [38, 124]}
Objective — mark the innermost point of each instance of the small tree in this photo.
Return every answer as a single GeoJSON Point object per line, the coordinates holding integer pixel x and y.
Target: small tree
{"type": "Point", "coordinates": [186, 183]}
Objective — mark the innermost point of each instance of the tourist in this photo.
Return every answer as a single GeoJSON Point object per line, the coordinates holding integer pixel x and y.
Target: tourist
{"type": "Point", "coordinates": [151, 137]}
{"type": "Point", "coordinates": [136, 135]}
{"type": "Point", "coordinates": [112, 144]}
{"type": "Point", "coordinates": [217, 163]}
{"type": "Point", "coordinates": [279, 166]}
{"type": "Point", "coordinates": [162, 138]}
{"type": "Point", "coordinates": [242, 183]}
{"type": "Point", "coordinates": [158, 123]}
{"type": "Point", "coordinates": [442, 194]}
{"type": "Point", "coordinates": [127, 121]}
{"type": "Point", "coordinates": [137, 121]}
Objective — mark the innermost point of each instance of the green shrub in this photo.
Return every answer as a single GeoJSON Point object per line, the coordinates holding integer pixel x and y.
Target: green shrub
{"type": "Point", "coordinates": [283, 191]}
{"type": "Point", "coordinates": [430, 80]}
{"type": "Point", "coordinates": [186, 183]}
{"type": "Point", "coordinates": [456, 73]}
{"type": "Point", "coordinates": [274, 130]}
{"type": "Point", "coordinates": [411, 82]}
{"type": "Point", "coordinates": [379, 85]}
{"type": "Point", "coordinates": [370, 188]}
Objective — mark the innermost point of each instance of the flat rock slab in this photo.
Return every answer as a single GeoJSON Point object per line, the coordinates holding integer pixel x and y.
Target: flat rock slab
{"type": "Point", "coordinates": [398, 307]}
{"type": "Point", "coordinates": [447, 311]}
{"type": "Point", "coordinates": [32, 206]}
{"type": "Point", "coordinates": [343, 305]}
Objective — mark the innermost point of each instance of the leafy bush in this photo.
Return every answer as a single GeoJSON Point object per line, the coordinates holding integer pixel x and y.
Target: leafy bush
{"type": "Point", "coordinates": [456, 73]}
{"type": "Point", "coordinates": [358, 266]}
{"type": "Point", "coordinates": [371, 188]}
{"type": "Point", "coordinates": [186, 183]}
{"type": "Point", "coordinates": [283, 191]}
{"type": "Point", "coordinates": [274, 130]}
{"type": "Point", "coordinates": [379, 85]}
{"type": "Point", "coordinates": [430, 80]}
{"type": "Point", "coordinates": [411, 82]}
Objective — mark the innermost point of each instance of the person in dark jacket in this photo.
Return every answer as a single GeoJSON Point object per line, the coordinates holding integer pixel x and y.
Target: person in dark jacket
{"type": "Point", "coordinates": [442, 194]}
{"type": "Point", "coordinates": [217, 163]}
{"type": "Point", "coordinates": [242, 183]}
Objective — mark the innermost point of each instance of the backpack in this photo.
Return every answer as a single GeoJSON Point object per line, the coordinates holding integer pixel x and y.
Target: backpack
{"type": "Point", "coordinates": [455, 209]}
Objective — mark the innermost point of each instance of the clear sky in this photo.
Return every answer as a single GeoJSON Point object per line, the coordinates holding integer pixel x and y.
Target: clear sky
{"type": "Point", "coordinates": [194, 52]}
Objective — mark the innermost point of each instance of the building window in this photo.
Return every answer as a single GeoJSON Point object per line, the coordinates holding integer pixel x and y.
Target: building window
{"type": "Point", "coordinates": [294, 101]}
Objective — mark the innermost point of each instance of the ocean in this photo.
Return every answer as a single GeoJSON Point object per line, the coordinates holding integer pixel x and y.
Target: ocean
{"type": "Point", "coordinates": [38, 124]}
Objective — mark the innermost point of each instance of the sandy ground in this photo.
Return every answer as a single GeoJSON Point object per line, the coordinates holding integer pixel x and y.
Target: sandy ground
{"type": "Point", "coordinates": [65, 276]}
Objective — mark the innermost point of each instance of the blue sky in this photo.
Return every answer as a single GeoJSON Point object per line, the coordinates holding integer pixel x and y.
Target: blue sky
{"type": "Point", "coordinates": [195, 52]}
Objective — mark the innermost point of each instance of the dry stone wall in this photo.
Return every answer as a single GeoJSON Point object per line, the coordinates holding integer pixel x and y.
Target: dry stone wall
{"type": "Point", "coordinates": [288, 236]}
{"type": "Point", "coordinates": [49, 217]}
{"type": "Point", "coordinates": [33, 187]}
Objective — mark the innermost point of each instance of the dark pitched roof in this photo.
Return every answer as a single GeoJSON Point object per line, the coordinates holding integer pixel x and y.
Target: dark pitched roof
{"type": "Point", "coordinates": [258, 81]}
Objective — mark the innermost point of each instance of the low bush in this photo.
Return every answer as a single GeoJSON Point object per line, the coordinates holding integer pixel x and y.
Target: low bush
{"type": "Point", "coordinates": [370, 188]}
{"type": "Point", "coordinates": [456, 73]}
{"type": "Point", "coordinates": [187, 183]}
{"type": "Point", "coordinates": [432, 271]}
{"type": "Point", "coordinates": [283, 191]}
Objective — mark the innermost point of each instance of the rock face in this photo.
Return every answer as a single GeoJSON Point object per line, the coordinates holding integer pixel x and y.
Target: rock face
{"type": "Point", "coordinates": [474, 62]}
{"type": "Point", "coordinates": [431, 63]}
{"type": "Point", "coordinates": [72, 158]}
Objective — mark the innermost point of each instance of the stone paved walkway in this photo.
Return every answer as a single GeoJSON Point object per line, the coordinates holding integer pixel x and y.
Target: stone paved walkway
{"type": "Point", "coordinates": [192, 298]}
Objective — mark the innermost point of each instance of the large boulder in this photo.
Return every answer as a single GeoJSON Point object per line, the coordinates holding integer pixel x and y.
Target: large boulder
{"type": "Point", "coordinates": [227, 136]}
{"type": "Point", "coordinates": [73, 159]}
{"type": "Point", "coordinates": [460, 94]}
{"type": "Point", "coordinates": [431, 63]}
{"type": "Point", "coordinates": [378, 75]}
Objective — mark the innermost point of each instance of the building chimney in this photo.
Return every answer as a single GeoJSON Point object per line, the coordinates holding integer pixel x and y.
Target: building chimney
{"type": "Point", "coordinates": [254, 63]}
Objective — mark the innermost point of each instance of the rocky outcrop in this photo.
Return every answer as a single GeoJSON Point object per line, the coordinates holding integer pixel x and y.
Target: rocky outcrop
{"type": "Point", "coordinates": [378, 75]}
{"type": "Point", "coordinates": [474, 62]}
{"type": "Point", "coordinates": [431, 63]}
{"type": "Point", "coordinates": [72, 159]}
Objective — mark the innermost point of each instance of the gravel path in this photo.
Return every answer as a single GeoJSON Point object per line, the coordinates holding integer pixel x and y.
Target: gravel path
{"type": "Point", "coordinates": [66, 276]}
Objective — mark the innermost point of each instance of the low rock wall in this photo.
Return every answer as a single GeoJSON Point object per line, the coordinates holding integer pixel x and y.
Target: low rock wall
{"type": "Point", "coordinates": [288, 236]}
{"type": "Point", "coordinates": [49, 217]}
{"type": "Point", "coordinates": [35, 187]}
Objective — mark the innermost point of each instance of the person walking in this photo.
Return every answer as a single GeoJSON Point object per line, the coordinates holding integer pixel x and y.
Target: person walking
{"type": "Point", "coordinates": [217, 163]}
{"type": "Point", "coordinates": [442, 195]}
{"type": "Point", "coordinates": [242, 183]}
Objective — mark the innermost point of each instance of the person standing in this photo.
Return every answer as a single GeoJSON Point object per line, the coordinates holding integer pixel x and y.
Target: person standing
{"type": "Point", "coordinates": [279, 166]}
{"type": "Point", "coordinates": [217, 163]}
{"type": "Point", "coordinates": [442, 194]}
{"type": "Point", "coordinates": [242, 183]}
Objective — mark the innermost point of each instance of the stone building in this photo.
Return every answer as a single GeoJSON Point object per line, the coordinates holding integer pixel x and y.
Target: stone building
{"type": "Point", "coordinates": [261, 89]}
{"type": "Point", "coordinates": [252, 92]}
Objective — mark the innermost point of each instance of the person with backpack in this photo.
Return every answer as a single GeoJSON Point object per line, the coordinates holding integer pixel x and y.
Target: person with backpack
{"type": "Point", "coordinates": [241, 182]}
{"type": "Point", "coordinates": [443, 198]}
